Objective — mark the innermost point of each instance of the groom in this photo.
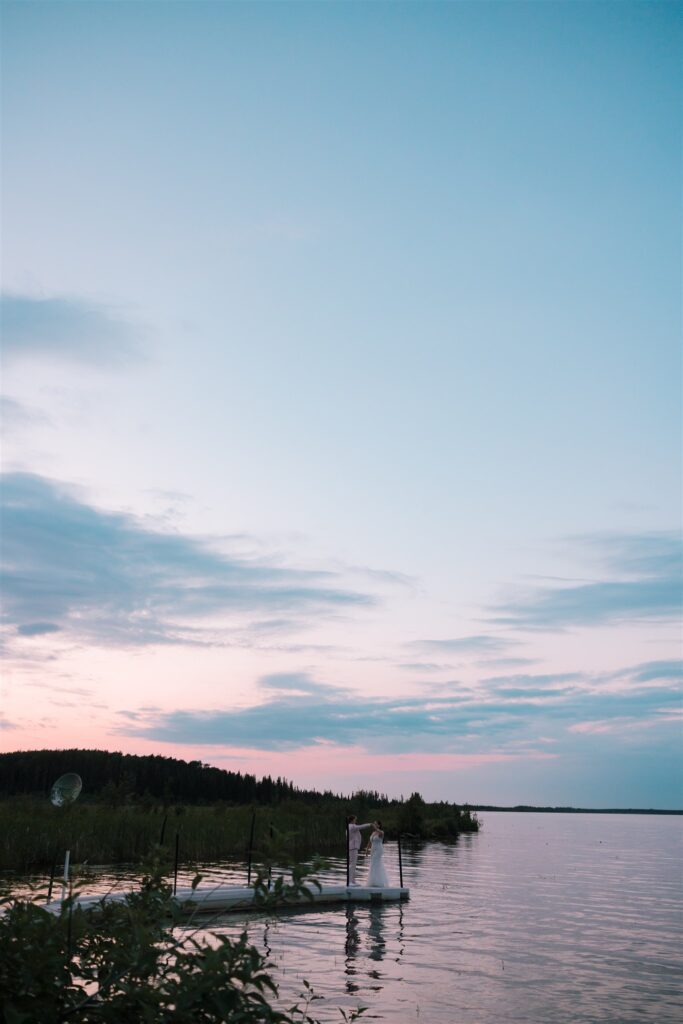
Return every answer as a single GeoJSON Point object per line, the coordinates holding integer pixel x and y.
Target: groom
{"type": "Point", "coordinates": [353, 838]}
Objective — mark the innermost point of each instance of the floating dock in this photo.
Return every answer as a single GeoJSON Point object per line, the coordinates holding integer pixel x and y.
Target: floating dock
{"type": "Point", "coordinates": [230, 897]}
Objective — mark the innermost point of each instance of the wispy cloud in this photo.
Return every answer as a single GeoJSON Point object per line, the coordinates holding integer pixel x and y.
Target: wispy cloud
{"type": "Point", "coordinates": [299, 711]}
{"type": "Point", "coordinates": [299, 684]}
{"type": "Point", "coordinates": [507, 662]}
{"type": "Point", "coordinates": [16, 416]}
{"type": "Point", "coordinates": [37, 628]}
{"type": "Point", "coordinates": [388, 576]}
{"type": "Point", "coordinates": [54, 687]}
{"type": "Point", "coordinates": [425, 666]}
{"type": "Point", "coordinates": [480, 644]}
{"type": "Point", "coordinates": [642, 580]}
{"type": "Point", "coordinates": [108, 578]}
{"type": "Point", "coordinates": [65, 328]}
{"type": "Point", "coordinates": [657, 671]}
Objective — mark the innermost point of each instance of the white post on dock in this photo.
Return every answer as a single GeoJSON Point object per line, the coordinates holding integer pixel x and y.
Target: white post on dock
{"type": "Point", "coordinates": [65, 882]}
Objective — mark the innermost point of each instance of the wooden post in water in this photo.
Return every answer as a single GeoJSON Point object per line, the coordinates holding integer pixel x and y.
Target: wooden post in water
{"type": "Point", "coordinates": [65, 880]}
{"type": "Point", "coordinates": [163, 830]}
{"type": "Point", "coordinates": [400, 862]}
{"type": "Point", "coordinates": [251, 846]}
{"type": "Point", "coordinates": [348, 864]}
{"type": "Point", "coordinates": [175, 869]}
{"type": "Point", "coordinates": [52, 877]}
{"type": "Point", "coordinates": [270, 857]}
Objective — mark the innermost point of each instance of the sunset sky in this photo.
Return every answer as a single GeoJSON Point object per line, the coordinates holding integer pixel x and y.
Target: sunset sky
{"type": "Point", "coordinates": [342, 392]}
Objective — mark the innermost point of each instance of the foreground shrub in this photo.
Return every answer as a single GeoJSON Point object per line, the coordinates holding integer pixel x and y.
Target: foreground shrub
{"type": "Point", "coordinates": [132, 961]}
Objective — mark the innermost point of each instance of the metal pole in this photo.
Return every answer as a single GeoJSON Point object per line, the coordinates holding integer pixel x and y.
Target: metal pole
{"type": "Point", "coordinates": [175, 870]}
{"type": "Point", "coordinates": [400, 861]}
{"type": "Point", "coordinates": [251, 846]}
{"type": "Point", "coordinates": [348, 864]}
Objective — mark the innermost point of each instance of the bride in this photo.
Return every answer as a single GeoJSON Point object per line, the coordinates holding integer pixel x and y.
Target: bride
{"type": "Point", "coordinates": [377, 877]}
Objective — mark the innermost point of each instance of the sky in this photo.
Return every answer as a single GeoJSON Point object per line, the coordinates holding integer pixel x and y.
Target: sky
{"type": "Point", "coordinates": [341, 392]}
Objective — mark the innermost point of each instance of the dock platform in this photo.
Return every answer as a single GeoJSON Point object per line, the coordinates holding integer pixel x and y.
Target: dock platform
{"type": "Point", "coordinates": [230, 897]}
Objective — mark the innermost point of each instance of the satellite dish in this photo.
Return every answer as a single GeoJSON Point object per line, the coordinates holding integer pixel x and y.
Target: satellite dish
{"type": "Point", "coordinates": [66, 789]}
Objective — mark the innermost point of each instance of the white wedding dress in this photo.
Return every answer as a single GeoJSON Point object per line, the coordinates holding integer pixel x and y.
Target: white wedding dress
{"type": "Point", "coordinates": [377, 876]}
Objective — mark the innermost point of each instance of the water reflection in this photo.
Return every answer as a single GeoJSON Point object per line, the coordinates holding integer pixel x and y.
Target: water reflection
{"type": "Point", "coordinates": [351, 947]}
{"type": "Point", "coordinates": [267, 948]}
{"type": "Point", "coordinates": [376, 945]}
{"type": "Point", "coordinates": [352, 934]}
{"type": "Point", "coordinates": [370, 934]}
{"type": "Point", "coordinates": [376, 934]}
{"type": "Point", "coordinates": [401, 940]}
{"type": "Point", "coordinates": [412, 851]}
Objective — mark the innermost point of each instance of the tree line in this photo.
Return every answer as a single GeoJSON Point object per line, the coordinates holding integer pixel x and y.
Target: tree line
{"type": "Point", "coordinates": [118, 778]}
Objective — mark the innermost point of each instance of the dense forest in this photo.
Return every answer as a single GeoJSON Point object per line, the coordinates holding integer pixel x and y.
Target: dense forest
{"type": "Point", "coordinates": [118, 778]}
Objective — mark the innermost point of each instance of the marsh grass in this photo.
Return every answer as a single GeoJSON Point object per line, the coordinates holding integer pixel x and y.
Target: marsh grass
{"type": "Point", "coordinates": [33, 833]}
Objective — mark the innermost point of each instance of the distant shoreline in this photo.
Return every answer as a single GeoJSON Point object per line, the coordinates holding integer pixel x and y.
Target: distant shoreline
{"type": "Point", "coordinates": [525, 808]}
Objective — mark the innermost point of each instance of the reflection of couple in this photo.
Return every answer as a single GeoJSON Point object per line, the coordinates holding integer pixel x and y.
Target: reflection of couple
{"type": "Point", "coordinates": [377, 875]}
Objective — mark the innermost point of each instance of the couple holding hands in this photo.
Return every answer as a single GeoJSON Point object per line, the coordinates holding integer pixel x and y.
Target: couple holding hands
{"type": "Point", "coordinates": [377, 875]}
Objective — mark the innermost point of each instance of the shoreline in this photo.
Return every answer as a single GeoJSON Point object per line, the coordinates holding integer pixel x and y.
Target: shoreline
{"type": "Point", "coordinates": [528, 809]}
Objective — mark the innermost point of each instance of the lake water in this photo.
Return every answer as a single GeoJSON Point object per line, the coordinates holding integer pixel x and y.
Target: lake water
{"type": "Point", "coordinates": [538, 918]}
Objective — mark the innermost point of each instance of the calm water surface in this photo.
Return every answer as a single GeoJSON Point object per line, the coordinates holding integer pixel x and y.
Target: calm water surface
{"type": "Point", "coordinates": [539, 918]}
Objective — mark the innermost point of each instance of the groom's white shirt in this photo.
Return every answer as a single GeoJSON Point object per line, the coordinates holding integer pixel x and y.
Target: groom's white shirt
{"type": "Point", "coordinates": [355, 836]}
